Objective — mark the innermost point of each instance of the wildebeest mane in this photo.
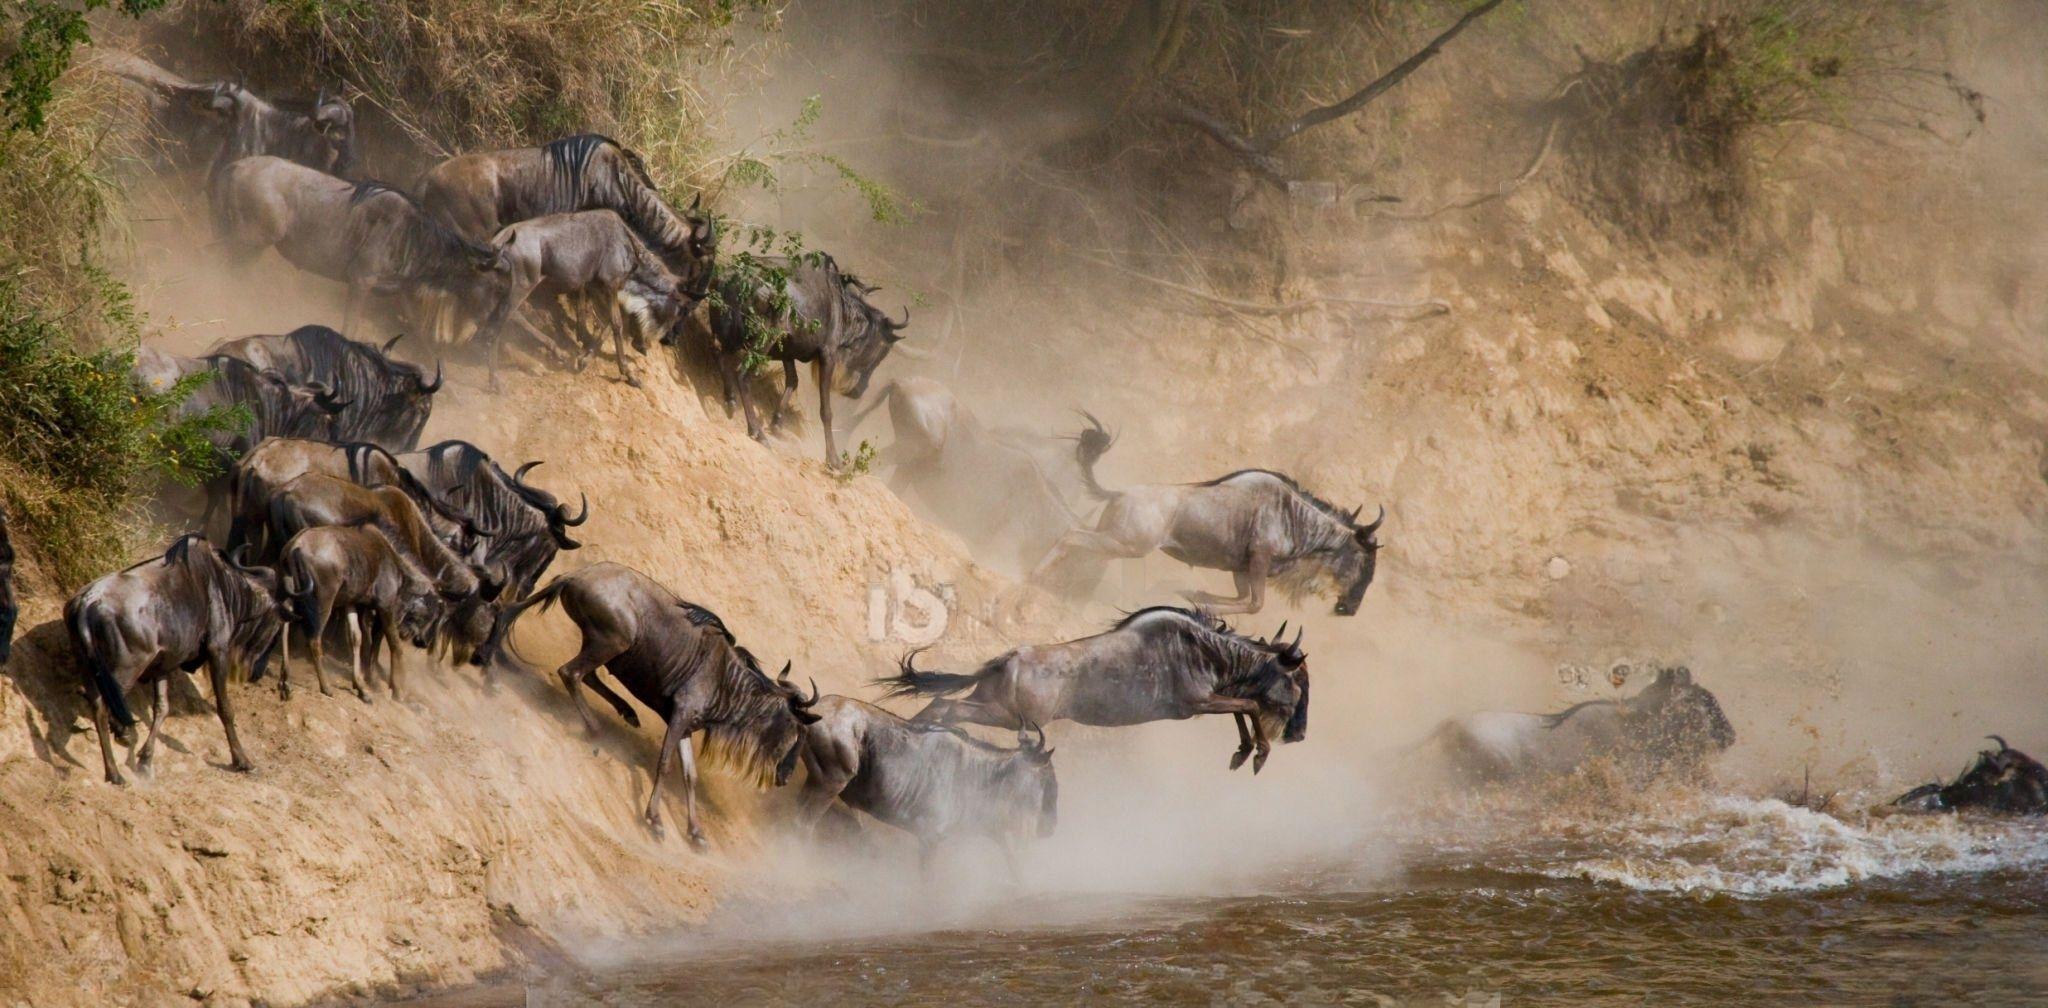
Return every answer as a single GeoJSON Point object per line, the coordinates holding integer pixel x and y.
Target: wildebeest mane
{"type": "Point", "coordinates": [700, 616]}
{"type": "Point", "coordinates": [428, 247]}
{"type": "Point", "coordinates": [570, 156]}
{"type": "Point", "coordinates": [1305, 493]}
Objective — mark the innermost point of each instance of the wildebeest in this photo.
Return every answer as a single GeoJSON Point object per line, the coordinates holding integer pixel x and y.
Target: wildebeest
{"type": "Point", "coordinates": [7, 604]}
{"type": "Point", "coordinates": [1670, 724]}
{"type": "Point", "coordinates": [982, 484]}
{"type": "Point", "coordinates": [274, 462]}
{"type": "Point", "coordinates": [235, 123]}
{"type": "Point", "coordinates": [389, 400]}
{"type": "Point", "coordinates": [192, 606]}
{"type": "Point", "coordinates": [593, 257]}
{"type": "Point", "coordinates": [932, 783]}
{"type": "Point", "coordinates": [1156, 664]}
{"type": "Point", "coordinates": [358, 573]}
{"type": "Point", "coordinates": [678, 659]}
{"type": "Point", "coordinates": [2003, 780]}
{"type": "Point", "coordinates": [478, 194]}
{"type": "Point", "coordinates": [277, 406]}
{"type": "Point", "coordinates": [1254, 523]}
{"type": "Point", "coordinates": [525, 523]}
{"type": "Point", "coordinates": [367, 235]}
{"type": "Point", "coordinates": [316, 499]}
{"type": "Point", "coordinates": [821, 317]}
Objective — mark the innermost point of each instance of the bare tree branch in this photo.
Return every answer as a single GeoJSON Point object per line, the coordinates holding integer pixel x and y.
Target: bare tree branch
{"type": "Point", "coordinates": [1265, 164]}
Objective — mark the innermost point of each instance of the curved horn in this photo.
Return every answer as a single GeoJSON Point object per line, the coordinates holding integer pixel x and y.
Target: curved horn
{"type": "Point", "coordinates": [783, 676]}
{"type": "Point", "coordinates": [291, 587]}
{"type": "Point", "coordinates": [562, 512]}
{"type": "Point", "coordinates": [1039, 730]}
{"type": "Point", "coordinates": [435, 385]}
{"type": "Point", "coordinates": [2001, 742]}
{"type": "Point", "coordinates": [1295, 644]}
{"type": "Point", "coordinates": [813, 698]}
{"type": "Point", "coordinates": [1280, 634]}
{"type": "Point", "coordinates": [1375, 526]}
{"type": "Point", "coordinates": [328, 402]}
{"type": "Point", "coordinates": [893, 324]}
{"type": "Point", "coordinates": [519, 475]}
{"type": "Point", "coordinates": [392, 342]}
{"type": "Point", "coordinates": [1352, 518]}
{"type": "Point", "coordinates": [235, 559]}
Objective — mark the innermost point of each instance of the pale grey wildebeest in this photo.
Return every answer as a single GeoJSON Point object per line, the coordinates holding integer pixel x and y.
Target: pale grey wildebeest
{"type": "Point", "coordinates": [819, 316]}
{"type": "Point", "coordinates": [987, 485]}
{"type": "Point", "coordinates": [1159, 664]}
{"type": "Point", "coordinates": [478, 194]}
{"type": "Point", "coordinates": [1670, 725]}
{"type": "Point", "coordinates": [192, 606]}
{"type": "Point", "coordinates": [679, 660]}
{"type": "Point", "coordinates": [593, 258]}
{"type": "Point", "coordinates": [232, 122]}
{"type": "Point", "coordinates": [1254, 523]}
{"type": "Point", "coordinates": [935, 784]}
{"type": "Point", "coordinates": [381, 593]}
{"type": "Point", "coordinates": [367, 235]}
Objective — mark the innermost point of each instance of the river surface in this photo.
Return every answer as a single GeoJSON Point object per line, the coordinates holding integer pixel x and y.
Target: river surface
{"type": "Point", "coordinates": [1709, 900]}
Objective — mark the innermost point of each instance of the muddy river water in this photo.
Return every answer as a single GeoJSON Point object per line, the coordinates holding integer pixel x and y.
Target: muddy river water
{"type": "Point", "coordinates": [1705, 900]}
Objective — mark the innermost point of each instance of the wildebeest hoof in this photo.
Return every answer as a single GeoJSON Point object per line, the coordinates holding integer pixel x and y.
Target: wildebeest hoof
{"type": "Point", "coordinates": [242, 766]}
{"type": "Point", "coordinates": [117, 780]}
{"type": "Point", "coordinates": [630, 380]}
{"type": "Point", "coordinates": [699, 842]}
{"type": "Point", "coordinates": [654, 827]}
{"type": "Point", "coordinates": [1259, 763]}
{"type": "Point", "coordinates": [1237, 759]}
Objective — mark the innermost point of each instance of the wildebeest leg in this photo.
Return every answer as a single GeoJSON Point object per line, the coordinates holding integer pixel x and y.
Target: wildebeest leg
{"type": "Point", "coordinates": [1244, 742]}
{"type": "Point", "coordinates": [1216, 703]}
{"type": "Point", "coordinates": [162, 706]}
{"type": "Point", "coordinates": [619, 343]}
{"type": "Point", "coordinates": [103, 724]}
{"type": "Point", "coordinates": [826, 774]}
{"type": "Point", "coordinates": [788, 397]}
{"type": "Point", "coordinates": [1251, 589]}
{"type": "Point", "coordinates": [690, 826]}
{"type": "Point", "coordinates": [822, 371]}
{"type": "Point", "coordinates": [389, 624]}
{"type": "Point", "coordinates": [355, 653]}
{"type": "Point", "coordinates": [612, 697]}
{"type": "Point", "coordinates": [570, 336]}
{"type": "Point", "coordinates": [217, 671]}
{"type": "Point", "coordinates": [672, 741]}
{"type": "Point", "coordinates": [596, 651]}
{"type": "Point", "coordinates": [735, 386]}
{"type": "Point", "coordinates": [319, 608]}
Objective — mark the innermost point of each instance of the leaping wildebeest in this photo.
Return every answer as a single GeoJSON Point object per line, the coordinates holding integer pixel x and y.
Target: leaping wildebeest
{"type": "Point", "coordinates": [1670, 725]}
{"type": "Point", "coordinates": [367, 235]}
{"type": "Point", "coordinates": [388, 399]}
{"type": "Point", "coordinates": [1163, 663]}
{"type": "Point", "coordinates": [933, 783]}
{"type": "Point", "coordinates": [822, 318]}
{"type": "Point", "coordinates": [478, 194]}
{"type": "Point", "coordinates": [593, 258]}
{"type": "Point", "coordinates": [1254, 523]}
{"type": "Point", "coordinates": [235, 122]}
{"type": "Point", "coordinates": [2002, 780]}
{"type": "Point", "coordinates": [193, 606]}
{"type": "Point", "coordinates": [678, 659]}
{"type": "Point", "coordinates": [358, 573]}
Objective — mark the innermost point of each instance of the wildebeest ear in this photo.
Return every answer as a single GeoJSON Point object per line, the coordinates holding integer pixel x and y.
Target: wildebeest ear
{"type": "Point", "coordinates": [1682, 675]}
{"type": "Point", "coordinates": [392, 342]}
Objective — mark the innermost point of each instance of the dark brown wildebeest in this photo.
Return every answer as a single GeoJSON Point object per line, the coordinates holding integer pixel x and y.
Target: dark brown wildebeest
{"type": "Point", "coordinates": [1671, 724]}
{"type": "Point", "coordinates": [984, 484]}
{"type": "Point", "coordinates": [388, 400]}
{"type": "Point", "coordinates": [932, 783]}
{"type": "Point", "coordinates": [678, 659]}
{"type": "Point", "coordinates": [821, 318]}
{"type": "Point", "coordinates": [192, 606]}
{"type": "Point", "coordinates": [367, 235]}
{"type": "Point", "coordinates": [1254, 523]}
{"type": "Point", "coordinates": [226, 121]}
{"type": "Point", "coordinates": [525, 523]}
{"type": "Point", "coordinates": [478, 194]}
{"type": "Point", "coordinates": [357, 572]}
{"type": "Point", "coordinates": [1158, 664]}
{"type": "Point", "coordinates": [594, 258]}
{"type": "Point", "coordinates": [2003, 780]}
{"type": "Point", "coordinates": [316, 499]}
{"type": "Point", "coordinates": [8, 609]}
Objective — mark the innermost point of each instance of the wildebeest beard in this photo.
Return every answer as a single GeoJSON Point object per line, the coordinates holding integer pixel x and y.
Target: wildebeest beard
{"type": "Point", "coordinates": [753, 735]}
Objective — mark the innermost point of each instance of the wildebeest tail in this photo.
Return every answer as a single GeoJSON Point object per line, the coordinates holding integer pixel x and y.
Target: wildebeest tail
{"type": "Point", "coordinates": [1090, 444]}
{"type": "Point", "coordinates": [88, 651]}
{"type": "Point", "coordinates": [502, 627]}
{"type": "Point", "coordinates": [909, 680]}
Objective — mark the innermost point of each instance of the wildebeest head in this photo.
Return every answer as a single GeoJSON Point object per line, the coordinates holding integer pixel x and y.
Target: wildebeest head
{"type": "Point", "coordinates": [781, 728]}
{"type": "Point", "coordinates": [1033, 764]}
{"type": "Point", "coordinates": [696, 286]}
{"type": "Point", "coordinates": [872, 335]}
{"type": "Point", "coordinates": [557, 512]}
{"type": "Point", "coordinates": [1674, 720]}
{"type": "Point", "coordinates": [2003, 780]}
{"type": "Point", "coordinates": [1355, 563]}
{"type": "Point", "coordinates": [271, 607]}
{"type": "Point", "coordinates": [1281, 688]}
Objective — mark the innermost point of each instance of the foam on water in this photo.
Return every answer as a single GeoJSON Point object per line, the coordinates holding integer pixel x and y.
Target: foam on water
{"type": "Point", "coordinates": [1759, 846]}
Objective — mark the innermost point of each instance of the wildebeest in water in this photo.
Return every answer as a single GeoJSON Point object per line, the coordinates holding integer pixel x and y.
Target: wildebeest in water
{"type": "Point", "coordinates": [679, 660]}
{"type": "Point", "coordinates": [2003, 780]}
{"type": "Point", "coordinates": [933, 783]}
{"type": "Point", "coordinates": [1254, 523]}
{"type": "Point", "coordinates": [1159, 664]}
{"type": "Point", "coordinates": [388, 399]}
{"type": "Point", "coordinates": [193, 606]}
{"type": "Point", "coordinates": [1672, 724]}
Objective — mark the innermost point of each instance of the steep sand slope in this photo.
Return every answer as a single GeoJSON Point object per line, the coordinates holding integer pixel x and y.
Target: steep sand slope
{"type": "Point", "coordinates": [432, 840]}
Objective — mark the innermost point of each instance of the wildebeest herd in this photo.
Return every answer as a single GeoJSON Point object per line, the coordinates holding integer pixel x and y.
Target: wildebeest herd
{"type": "Point", "coordinates": [336, 528]}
